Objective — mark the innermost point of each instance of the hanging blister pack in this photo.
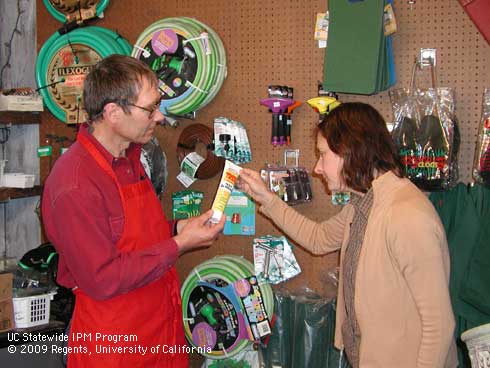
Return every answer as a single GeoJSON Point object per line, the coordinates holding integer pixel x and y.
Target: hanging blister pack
{"type": "Point", "coordinates": [240, 215]}
{"type": "Point", "coordinates": [231, 141]}
{"type": "Point", "coordinates": [290, 182]}
{"type": "Point", "coordinates": [274, 259]}
{"type": "Point", "coordinates": [186, 204]}
{"type": "Point", "coordinates": [481, 165]}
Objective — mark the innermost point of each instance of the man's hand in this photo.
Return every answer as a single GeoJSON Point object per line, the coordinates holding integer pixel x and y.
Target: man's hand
{"type": "Point", "coordinates": [197, 232]}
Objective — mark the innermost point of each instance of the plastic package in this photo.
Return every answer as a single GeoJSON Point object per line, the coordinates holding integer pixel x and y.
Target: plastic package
{"type": "Point", "coordinates": [477, 340]}
{"type": "Point", "coordinates": [291, 184]}
{"type": "Point", "coordinates": [303, 333]}
{"type": "Point", "coordinates": [216, 307]}
{"type": "Point", "coordinates": [154, 162]}
{"type": "Point", "coordinates": [274, 260]}
{"type": "Point", "coordinates": [278, 350]}
{"type": "Point", "coordinates": [310, 331]}
{"type": "Point", "coordinates": [231, 141]}
{"type": "Point", "coordinates": [240, 215]}
{"type": "Point", "coordinates": [426, 134]}
{"type": "Point", "coordinates": [247, 358]}
{"type": "Point", "coordinates": [186, 204]}
{"type": "Point", "coordinates": [481, 165]}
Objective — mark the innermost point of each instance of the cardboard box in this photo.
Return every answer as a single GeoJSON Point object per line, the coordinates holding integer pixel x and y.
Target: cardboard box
{"type": "Point", "coordinates": [6, 305]}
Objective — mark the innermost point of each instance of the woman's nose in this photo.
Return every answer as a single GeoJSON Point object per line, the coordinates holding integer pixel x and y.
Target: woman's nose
{"type": "Point", "coordinates": [317, 169]}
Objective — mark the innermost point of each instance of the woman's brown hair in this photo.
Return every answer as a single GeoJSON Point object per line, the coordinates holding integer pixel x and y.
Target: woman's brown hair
{"type": "Point", "coordinates": [357, 132]}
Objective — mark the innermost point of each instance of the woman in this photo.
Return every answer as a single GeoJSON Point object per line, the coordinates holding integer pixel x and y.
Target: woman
{"type": "Point", "coordinates": [393, 306]}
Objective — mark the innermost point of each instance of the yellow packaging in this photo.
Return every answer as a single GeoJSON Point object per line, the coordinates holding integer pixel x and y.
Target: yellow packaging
{"type": "Point", "coordinates": [226, 184]}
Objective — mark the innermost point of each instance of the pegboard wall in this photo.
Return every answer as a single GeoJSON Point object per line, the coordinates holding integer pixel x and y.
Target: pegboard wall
{"type": "Point", "coordinates": [271, 42]}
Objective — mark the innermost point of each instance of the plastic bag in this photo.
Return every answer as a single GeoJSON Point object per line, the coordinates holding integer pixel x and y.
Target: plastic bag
{"type": "Point", "coordinates": [481, 165]}
{"type": "Point", "coordinates": [154, 162]}
{"type": "Point", "coordinates": [426, 134]}
{"type": "Point", "coordinates": [310, 331]}
{"type": "Point", "coordinates": [303, 333]}
{"type": "Point", "coordinates": [247, 358]}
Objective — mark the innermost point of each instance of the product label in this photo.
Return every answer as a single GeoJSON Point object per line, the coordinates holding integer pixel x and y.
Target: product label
{"type": "Point", "coordinates": [389, 21]}
{"type": "Point", "coordinates": [189, 167]}
{"type": "Point", "coordinates": [226, 185]}
{"type": "Point", "coordinates": [44, 151]}
{"type": "Point", "coordinates": [173, 71]}
{"type": "Point", "coordinates": [69, 67]}
{"type": "Point", "coordinates": [424, 166]}
{"type": "Point", "coordinates": [215, 318]}
{"type": "Point", "coordinates": [191, 163]}
{"type": "Point", "coordinates": [72, 6]}
{"type": "Point", "coordinates": [249, 292]}
{"type": "Point", "coordinates": [164, 41]}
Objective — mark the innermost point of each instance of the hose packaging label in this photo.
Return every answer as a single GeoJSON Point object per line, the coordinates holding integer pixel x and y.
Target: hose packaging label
{"type": "Point", "coordinates": [164, 41]}
{"type": "Point", "coordinates": [75, 10]}
{"type": "Point", "coordinates": [221, 316]}
{"type": "Point", "coordinates": [250, 295]}
{"type": "Point", "coordinates": [71, 6]}
{"type": "Point", "coordinates": [163, 51]}
{"type": "Point", "coordinates": [217, 319]}
{"type": "Point", "coordinates": [69, 67]}
{"type": "Point", "coordinates": [189, 166]}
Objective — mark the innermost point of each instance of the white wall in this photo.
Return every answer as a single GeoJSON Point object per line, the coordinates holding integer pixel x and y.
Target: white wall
{"type": "Point", "coordinates": [20, 228]}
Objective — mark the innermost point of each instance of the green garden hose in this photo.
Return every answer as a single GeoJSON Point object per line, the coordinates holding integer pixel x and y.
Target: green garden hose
{"type": "Point", "coordinates": [189, 59]}
{"type": "Point", "coordinates": [63, 62]}
{"type": "Point", "coordinates": [59, 10]}
{"type": "Point", "coordinates": [197, 311]}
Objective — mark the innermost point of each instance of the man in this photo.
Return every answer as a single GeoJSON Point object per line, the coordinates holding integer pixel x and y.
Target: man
{"type": "Point", "coordinates": [116, 247]}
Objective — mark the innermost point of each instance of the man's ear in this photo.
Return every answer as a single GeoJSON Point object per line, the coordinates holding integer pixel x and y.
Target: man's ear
{"type": "Point", "coordinates": [112, 112]}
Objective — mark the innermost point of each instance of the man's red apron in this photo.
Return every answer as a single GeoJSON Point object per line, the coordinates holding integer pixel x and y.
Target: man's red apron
{"type": "Point", "coordinates": [148, 317]}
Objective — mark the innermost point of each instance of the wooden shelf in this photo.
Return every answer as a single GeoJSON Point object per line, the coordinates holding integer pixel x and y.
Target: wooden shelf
{"type": "Point", "coordinates": [13, 193]}
{"type": "Point", "coordinates": [20, 117]}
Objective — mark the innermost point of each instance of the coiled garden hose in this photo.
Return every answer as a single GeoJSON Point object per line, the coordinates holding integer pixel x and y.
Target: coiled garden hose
{"type": "Point", "coordinates": [220, 271]}
{"type": "Point", "coordinates": [63, 62]}
{"type": "Point", "coordinates": [189, 59]}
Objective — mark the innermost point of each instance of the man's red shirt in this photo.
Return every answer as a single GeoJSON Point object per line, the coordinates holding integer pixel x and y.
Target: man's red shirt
{"type": "Point", "coordinates": [83, 218]}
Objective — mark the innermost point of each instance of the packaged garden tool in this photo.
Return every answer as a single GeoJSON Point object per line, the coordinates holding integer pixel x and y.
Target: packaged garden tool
{"type": "Point", "coordinates": [425, 132]}
{"type": "Point", "coordinates": [186, 204]}
{"type": "Point", "coordinates": [289, 181]}
{"type": "Point", "coordinates": [481, 165]}
{"type": "Point", "coordinates": [274, 259]}
{"type": "Point", "coordinates": [231, 140]}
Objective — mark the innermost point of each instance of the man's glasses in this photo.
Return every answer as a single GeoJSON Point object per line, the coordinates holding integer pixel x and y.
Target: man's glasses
{"type": "Point", "coordinates": [152, 110]}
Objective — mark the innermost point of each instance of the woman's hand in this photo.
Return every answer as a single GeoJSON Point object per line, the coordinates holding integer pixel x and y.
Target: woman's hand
{"type": "Point", "coordinates": [251, 183]}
